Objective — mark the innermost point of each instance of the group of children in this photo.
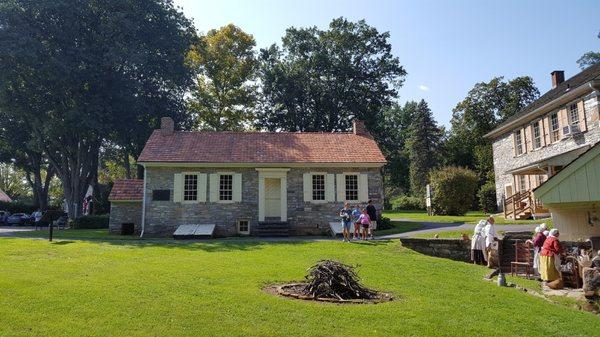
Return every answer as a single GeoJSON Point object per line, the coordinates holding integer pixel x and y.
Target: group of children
{"type": "Point", "coordinates": [363, 219]}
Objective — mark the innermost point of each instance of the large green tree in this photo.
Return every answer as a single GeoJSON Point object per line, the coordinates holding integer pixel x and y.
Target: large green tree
{"type": "Point", "coordinates": [485, 106]}
{"type": "Point", "coordinates": [319, 80]}
{"type": "Point", "coordinates": [589, 58]}
{"type": "Point", "coordinates": [423, 147]}
{"type": "Point", "coordinates": [81, 72]}
{"type": "Point", "coordinates": [225, 90]}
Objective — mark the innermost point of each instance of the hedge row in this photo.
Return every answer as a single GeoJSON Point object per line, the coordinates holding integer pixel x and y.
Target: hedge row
{"type": "Point", "coordinates": [19, 207]}
{"type": "Point", "coordinates": [91, 222]}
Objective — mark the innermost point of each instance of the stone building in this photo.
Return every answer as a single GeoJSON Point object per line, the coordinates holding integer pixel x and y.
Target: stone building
{"type": "Point", "coordinates": [249, 183]}
{"type": "Point", "coordinates": [537, 142]}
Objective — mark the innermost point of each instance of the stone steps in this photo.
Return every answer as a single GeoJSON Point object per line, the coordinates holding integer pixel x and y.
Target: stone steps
{"type": "Point", "coordinates": [272, 229]}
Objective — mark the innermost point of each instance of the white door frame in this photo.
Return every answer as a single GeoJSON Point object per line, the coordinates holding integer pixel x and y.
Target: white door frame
{"type": "Point", "coordinates": [277, 173]}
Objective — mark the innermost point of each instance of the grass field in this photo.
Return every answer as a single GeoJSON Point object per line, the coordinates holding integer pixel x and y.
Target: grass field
{"type": "Point", "coordinates": [150, 288]}
{"type": "Point", "coordinates": [470, 217]}
{"type": "Point", "coordinates": [400, 227]}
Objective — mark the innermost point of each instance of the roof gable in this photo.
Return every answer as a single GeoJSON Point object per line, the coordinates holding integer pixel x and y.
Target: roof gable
{"type": "Point", "coordinates": [260, 148]}
{"type": "Point", "coordinates": [127, 190]}
{"type": "Point", "coordinates": [577, 182]}
{"type": "Point", "coordinates": [589, 74]}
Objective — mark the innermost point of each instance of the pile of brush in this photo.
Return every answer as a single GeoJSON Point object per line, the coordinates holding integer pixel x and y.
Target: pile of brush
{"type": "Point", "coordinates": [332, 279]}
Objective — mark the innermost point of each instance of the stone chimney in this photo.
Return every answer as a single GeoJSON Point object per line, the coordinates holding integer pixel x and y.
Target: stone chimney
{"type": "Point", "coordinates": [167, 126]}
{"type": "Point", "coordinates": [558, 76]}
{"type": "Point", "coordinates": [358, 127]}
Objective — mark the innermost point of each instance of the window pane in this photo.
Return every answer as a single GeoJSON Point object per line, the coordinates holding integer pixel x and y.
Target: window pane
{"type": "Point", "coordinates": [573, 114]}
{"type": "Point", "coordinates": [537, 138]}
{"type": "Point", "coordinates": [244, 225]}
{"type": "Point", "coordinates": [554, 127]}
{"type": "Point", "coordinates": [226, 187]}
{"type": "Point", "coordinates": [318, 187]}
{"type": "Point", "coordinates": [518, 143]}
{"type": "Point", "coordinates": [352, 187]}
{"type": "Point", "coordinates": [190, 187]}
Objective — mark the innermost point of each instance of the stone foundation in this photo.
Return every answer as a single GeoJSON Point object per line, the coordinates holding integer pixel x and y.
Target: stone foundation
{"type": "Point", "coordinates": [454, 249]}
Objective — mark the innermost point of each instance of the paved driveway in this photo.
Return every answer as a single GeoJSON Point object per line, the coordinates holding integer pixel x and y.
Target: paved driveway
{"type": "Point", "coordinates": [432, 227]}
{"type": "Point", "coordinates": [12, 230]}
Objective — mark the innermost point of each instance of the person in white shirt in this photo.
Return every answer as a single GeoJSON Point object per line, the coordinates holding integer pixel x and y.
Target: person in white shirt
{"type": "Point", "coordinates": [478, 244]}
{"type": "Point", "coordinates": [490, 237]}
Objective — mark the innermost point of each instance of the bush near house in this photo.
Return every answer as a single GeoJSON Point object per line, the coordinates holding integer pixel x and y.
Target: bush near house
{"type": "Point", "coordinates": [453, 190]}
{"type": "Point", "coordinates": [487, 197]}
{"type": "Point", "coordinates": [91, 222]}
{"type": "Point", "coordinates": [406, 202]}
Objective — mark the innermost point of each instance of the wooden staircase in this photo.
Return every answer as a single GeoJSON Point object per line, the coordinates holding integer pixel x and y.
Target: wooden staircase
{"type": "Point", "coordinates": [272, 229]}
{"type": "Point", "coordinates": [520, 205]}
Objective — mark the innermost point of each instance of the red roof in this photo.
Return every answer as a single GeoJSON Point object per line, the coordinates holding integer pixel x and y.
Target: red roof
{"type": "Point", "coordinates": [260, 147]}
{"type": "Point", "coordinates": [4, 196]}
{"type": "Point", "coordinates": [127, 189]}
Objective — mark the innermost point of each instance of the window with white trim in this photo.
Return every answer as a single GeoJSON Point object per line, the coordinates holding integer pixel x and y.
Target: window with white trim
{"type": "Point", "coordinates": [318, 187]}
{"type": "Point", "coordinates": [518, 143]}
{"type": "Point", "coordinates": [351, 187]}
{"type": "Point", "coordinates": [190, 187]}
{"type": "Point", "coordinates": [554, 127]}
{"type": "Point", "coordinates": [573, 114]}
{"type": "Point", "coordinates": [225, 187]}
{"type": "Point", "coordinates": [243, 226]}
{"type": "Point", "coordinates": [537, 135]}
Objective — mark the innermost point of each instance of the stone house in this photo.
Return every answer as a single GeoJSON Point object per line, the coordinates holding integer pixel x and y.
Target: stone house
{"type": "Point", "coordinates": [248, 183]}
{"type": "Point", "coordinates": [537, 142]}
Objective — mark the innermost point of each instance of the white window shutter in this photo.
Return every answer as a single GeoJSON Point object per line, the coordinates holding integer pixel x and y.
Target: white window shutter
{"type": "Point", "coordinates": [177, 187]}
{"type": "Point", "coordinates": [329, 187]}
{"type": "Point", "coordinates": [214, 187]}
{"type": "Point", "coordinates": [363, 187]}
{"type": "Point", "coordinates": [307, 186]}
{"type": "Point", "coordinates": [201, 187]}
{"type": "Point", "coordinates": [341, 186]}
{"type": "Point", "coordinates": [237, 187]}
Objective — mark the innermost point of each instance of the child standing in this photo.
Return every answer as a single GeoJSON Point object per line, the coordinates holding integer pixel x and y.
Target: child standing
{"type": "Point", "coordinates": [356, 213]}
{"type": "Point", "coordinates": [365, 222]}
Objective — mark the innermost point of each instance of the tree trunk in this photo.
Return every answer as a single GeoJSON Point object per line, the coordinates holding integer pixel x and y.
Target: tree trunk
{"type": "Point", "coordinates": [126, 164]}
{"type": "Point", "coordinates": [76, 164]}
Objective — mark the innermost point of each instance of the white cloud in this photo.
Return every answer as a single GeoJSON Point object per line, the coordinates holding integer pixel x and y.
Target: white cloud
{"type": "Point", "coordinates": [423, 87]}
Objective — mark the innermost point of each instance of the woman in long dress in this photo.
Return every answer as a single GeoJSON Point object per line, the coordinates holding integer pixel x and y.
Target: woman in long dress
{"type": "Point", "coordinates": [550, 257]}
{"type": "Point", "coordinates": [478, 244]}
{"type": "Point", "coordinates": [538, 243]}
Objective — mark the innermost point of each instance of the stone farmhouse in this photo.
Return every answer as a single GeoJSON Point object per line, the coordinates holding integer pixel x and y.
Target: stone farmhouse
{"type": "Point", "coordinates": [248, 183]}
{"type": "Point", "coordinates": [538, 142]}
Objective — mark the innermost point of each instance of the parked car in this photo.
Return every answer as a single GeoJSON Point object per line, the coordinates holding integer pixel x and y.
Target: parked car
{"type": "Point", "coordinates": [3, 217]}
{"type": "Point", "coordinates": [18, 219]}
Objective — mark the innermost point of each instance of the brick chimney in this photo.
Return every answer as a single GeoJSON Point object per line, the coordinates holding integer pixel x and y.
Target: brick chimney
{"type": "Point", "coordinates": [358, 127]}
{"type": "Point", "coordinates": [558, 76]}
{"type": "Point", "coordinates": [167, 126]}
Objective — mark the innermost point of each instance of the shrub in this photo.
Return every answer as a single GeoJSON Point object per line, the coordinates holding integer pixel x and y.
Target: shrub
{"type": "Point", "coordinates": [405, 202]}
{"type": "Point", "coordinates": [91, 222]}
{"type": "Point", "coordinates": [20, 207]}
{"type": "Point", "coordinates": [453, 190]}
{"type": "Point", "coordinates": [384, 223]}
{"type": "Point", "coordinates": [487, 197]}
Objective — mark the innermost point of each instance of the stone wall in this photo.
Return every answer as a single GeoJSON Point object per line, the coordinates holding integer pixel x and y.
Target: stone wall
{"type": "Point", "coordinates": [504, 154]}
{"type": "Point", "coordinates": [125, 212]}
{"type": "Point", "coordinates": [454, 249]}
{"type": "Point", "coordinates": [163, 217]}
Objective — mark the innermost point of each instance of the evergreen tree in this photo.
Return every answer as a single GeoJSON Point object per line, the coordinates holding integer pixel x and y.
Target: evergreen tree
{"type": "Point", "coordinates": [423, 146]}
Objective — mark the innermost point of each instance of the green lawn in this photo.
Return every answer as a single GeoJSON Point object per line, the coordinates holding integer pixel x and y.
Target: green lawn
{"type": "Point", "coordinates": [150, 288]}
{"type": "Point", "coordinates": [470, 217]}
{"type": "Point", "coordinates": [447, 234]}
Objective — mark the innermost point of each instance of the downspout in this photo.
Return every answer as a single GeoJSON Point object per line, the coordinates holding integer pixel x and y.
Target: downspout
{"type": "Point", "coordinates": [143, 204]}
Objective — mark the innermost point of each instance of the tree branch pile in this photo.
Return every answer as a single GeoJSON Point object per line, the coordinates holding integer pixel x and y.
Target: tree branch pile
{"type": "Point", "coordinates": [332, 279]}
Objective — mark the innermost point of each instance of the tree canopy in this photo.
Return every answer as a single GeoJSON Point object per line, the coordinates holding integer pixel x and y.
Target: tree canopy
{"type": "Point", "coordinates": [225, 90]}
{"type": "Point", "coordinates": [81, 73]}
{"type": "Point", "coordinates": [589, 58]}
{"type": "Point", "coordinates": [319, 80]}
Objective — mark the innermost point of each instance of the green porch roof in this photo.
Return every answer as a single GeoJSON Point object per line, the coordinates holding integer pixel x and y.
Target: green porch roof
{"type": "Point", "coordinates": [575, 183]}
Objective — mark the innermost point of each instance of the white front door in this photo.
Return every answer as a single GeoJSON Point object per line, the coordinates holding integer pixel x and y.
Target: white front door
{"type": "Point", "coordinates": [272, 197]}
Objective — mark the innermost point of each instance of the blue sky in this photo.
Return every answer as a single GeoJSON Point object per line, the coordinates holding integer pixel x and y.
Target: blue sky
{"type": "Point", "coordinates": [445, 46]}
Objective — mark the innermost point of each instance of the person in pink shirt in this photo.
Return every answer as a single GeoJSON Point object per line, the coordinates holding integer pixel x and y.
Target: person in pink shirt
{"type": "Point", "coordinates": [365, 222]}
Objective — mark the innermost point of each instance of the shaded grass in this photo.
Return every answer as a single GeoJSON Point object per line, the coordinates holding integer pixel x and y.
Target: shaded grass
{"type": "Point", "coordinates": [400, 227]}
{"type": "Point", "coordinates": [470, 218]}
{"type": "Point", "coordinates": [92, 234]}
{"type": "Point", "coordinates": [143, 288]}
